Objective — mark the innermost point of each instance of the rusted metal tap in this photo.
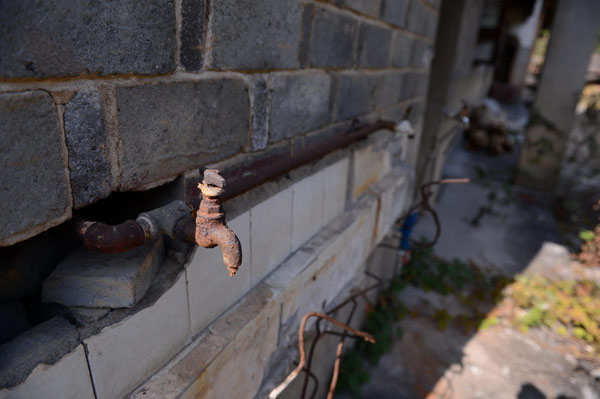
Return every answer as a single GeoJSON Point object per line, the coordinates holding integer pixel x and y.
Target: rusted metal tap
{"type": "Point", "coordinates": [211, 229]}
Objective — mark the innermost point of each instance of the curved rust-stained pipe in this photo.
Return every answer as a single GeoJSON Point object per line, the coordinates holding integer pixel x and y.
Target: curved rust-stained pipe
{"type": "Point", "coordinates": [109, 239]}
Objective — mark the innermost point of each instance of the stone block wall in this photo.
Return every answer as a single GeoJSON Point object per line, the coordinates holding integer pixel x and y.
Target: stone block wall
{"type": "Point", "coordinates": [98, 98]}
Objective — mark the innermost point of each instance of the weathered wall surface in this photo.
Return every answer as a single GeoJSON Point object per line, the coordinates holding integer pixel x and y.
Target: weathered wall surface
{"type": "Point", "coordinates": [124, 96]}
{"type": "Point", "coordinates": [128, 95]}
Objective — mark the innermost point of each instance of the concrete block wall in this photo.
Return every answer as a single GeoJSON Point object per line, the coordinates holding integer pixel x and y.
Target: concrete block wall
{"type": "Point", "coordinates": [128, 96]}
{"type": "Point", "coordinates": [134, 95]}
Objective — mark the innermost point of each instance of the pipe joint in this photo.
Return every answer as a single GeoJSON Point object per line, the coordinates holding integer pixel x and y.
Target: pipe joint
{"type": "Point", "coordinates": [163, 220]}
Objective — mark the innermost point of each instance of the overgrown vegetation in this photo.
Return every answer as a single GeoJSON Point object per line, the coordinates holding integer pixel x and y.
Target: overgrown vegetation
{"type": "Point", "coordinates": [380, 322]}
{"type": "Point", "coordinates": [429, 273]}
{"type": "Point", "coordinates": [590, 249]}
{"type": "Point", "coordinates": [571, 308]}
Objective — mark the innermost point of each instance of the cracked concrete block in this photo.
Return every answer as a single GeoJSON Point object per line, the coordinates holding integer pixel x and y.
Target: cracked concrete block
{"type": "Point", "coordinates": [96, 280]}
{"type": "Point", "coordinates": [271, 230]}
{"type": "Point", "coordinates": [335, 180]}
{"type": "Point", "coordinates": [211, 291]}
{"type": "Point", "coordinates": [34, 179]}
{"type": "Point", "coordinates": [126, 353]}
{"type": "Point", "coordinates": [307, 212]}
{"type": "Point", "coordinates": [68, 378]}
{"type": "Point", "coordinates": [45, 343]}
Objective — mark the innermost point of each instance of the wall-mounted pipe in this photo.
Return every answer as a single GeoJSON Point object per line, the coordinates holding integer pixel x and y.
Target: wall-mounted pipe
{"type": "Point", "coordinates": [109, 239]}
{"type": "Point", "coordinates": [242, 178]}
{"type": "Point", "coordinates": [176, 220]}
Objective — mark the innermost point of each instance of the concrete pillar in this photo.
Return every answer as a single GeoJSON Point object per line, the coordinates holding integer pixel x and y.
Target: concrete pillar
{"type": "Point", "coordinates": [526, 33]}
{"type": "Point", "coordinates": [572, 40]}
{"type": "Point", "coordinates": [451, 80]}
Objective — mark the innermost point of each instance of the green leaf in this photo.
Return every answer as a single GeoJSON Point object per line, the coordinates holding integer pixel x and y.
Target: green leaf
{"type": "Point", "coordinates": [586, 235]}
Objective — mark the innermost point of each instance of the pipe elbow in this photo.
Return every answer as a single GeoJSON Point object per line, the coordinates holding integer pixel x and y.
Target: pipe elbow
{"type": "Point", "coordinates": [230, 245]}
{"type": "Point", "coordinates": [109, 239]}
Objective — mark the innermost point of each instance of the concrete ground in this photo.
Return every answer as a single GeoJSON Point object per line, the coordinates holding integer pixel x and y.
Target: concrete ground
{"type": "Point", "coordinates": [498, 362]}
{"type": "Point", "coordinates": [506, 237]}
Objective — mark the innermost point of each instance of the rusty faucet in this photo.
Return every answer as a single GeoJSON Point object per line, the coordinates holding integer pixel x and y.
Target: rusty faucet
{"type": "Point", "coordinates": [211, 229]}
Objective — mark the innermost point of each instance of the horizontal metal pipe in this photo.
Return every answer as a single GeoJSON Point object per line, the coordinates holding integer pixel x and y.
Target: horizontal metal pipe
{"type": "Point", "coordinates": [242, 178]}
{"type": "Point", "coordinates": [130, 234]}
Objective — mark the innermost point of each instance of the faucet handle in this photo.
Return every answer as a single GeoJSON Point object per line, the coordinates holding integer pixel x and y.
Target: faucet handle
{"type": "Point", "coordinates": [213, 178]}
{"type": "Point", "coordinates": [212, 184]}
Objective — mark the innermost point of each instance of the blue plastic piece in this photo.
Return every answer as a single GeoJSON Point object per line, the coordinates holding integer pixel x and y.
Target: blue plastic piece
{"type": "Point", "coordinates": [406, 230]}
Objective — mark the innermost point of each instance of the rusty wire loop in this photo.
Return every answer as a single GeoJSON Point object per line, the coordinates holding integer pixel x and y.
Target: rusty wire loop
{"type": "Point", "coordinates": [306, 362]}
{"type": "Point", "coordinates": [367, 337]}
{"type": "Point", "coordinates": [425, 206]}
{"type": "Point", "coordinates": [336, 369]}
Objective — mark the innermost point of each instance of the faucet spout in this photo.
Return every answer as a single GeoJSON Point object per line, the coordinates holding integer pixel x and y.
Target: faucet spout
{"type": "Point", "coordinates": [230, 245]}
{"type": "Point", "coordinates": [211, 229]}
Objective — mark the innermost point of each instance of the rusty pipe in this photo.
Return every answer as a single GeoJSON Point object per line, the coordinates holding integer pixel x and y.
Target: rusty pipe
{"type": "Point", "coordinates": [109, 239]}
{"type": "Point", "coordinates": [173, 220]}
{"type": "Point", "coordinates": [130, 234]}
{"type": "Point", "coordinates": [244, 177]}
{"type": "Point", "coordinates": [211, 228]}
